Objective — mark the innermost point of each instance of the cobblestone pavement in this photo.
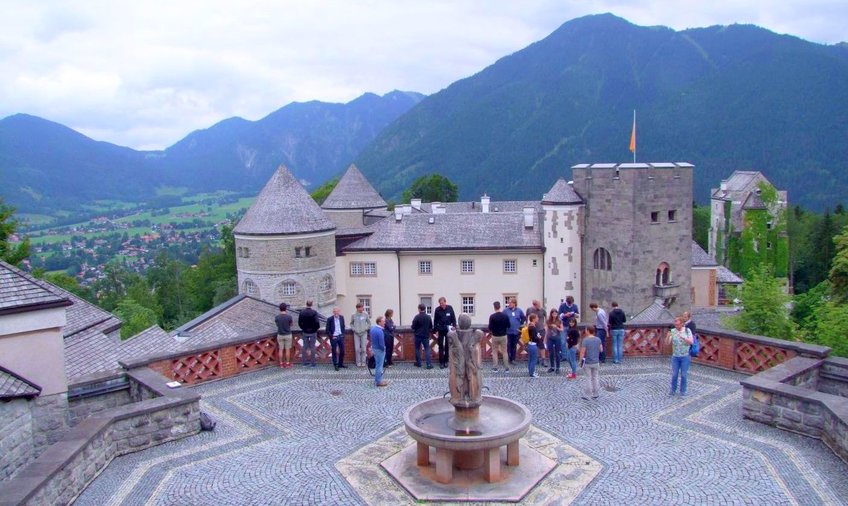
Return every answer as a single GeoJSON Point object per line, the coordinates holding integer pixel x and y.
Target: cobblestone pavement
{"type": "Point", "coordinates": [280, 432]}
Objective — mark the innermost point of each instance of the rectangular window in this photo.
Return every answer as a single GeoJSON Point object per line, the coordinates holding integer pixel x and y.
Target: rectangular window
{"type": "Point", "coordinates": [289, 288]}
{"type": "Point", "coordinates": [425, 267]}
{"type": "Point", "coordinates": [365, 300]}
{"type": "Point", "coordinates": [672, 215]}
{"type": "Point", "coordinates": [466, 266]}
{"type": "Point", "coordinates": [297, 252]}
{"type": "Point", "coordinates": [359, 269]}
{"type": "Point", "coordinates": [468, 304]}
{"type": "Point", "coordinates": [655, 217]}
{"type": "Point", "coordinates": [307, 251]}
{"type": "Point", "coordinates": [427, 300]}
{"type": "Point", "coordinates": [510, 266]}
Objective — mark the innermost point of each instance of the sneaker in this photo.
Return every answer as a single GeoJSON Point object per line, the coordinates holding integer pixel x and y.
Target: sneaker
{"type": "Point", "coordinates": [342, 366]}
{"type": "Point", "coordinates": [584, 397]}
{"type": "Point", "coordinates": [534, 375]}
{"type": "Point", "coordinates": [429, 367]}
{"type": "Point", "coordinates": [336, 367]}
{"type": "Point", "coordinates": [572, 376]}
{"type": "Point", "coordinates": [551, 369]}
{"type": "Point", "coordinates": [506, 369]}
{"type": "Point", "coordinates": [383, 384]}
{"type": "Point", "coordinates": [287, 365]}
{"type": "Point", "coordinates": [282, 365]}
{"type": "Point", "coordinates": [494, 369]}
{"type": "Point", "coordinates": [595, 398]}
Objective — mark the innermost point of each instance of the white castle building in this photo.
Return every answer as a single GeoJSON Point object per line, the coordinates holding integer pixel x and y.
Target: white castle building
{"type": "Point", "coordinates": [352, 249]}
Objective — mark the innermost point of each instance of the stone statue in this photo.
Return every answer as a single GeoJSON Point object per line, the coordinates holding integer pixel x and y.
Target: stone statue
{"type": "Point", "coordinates": [466, 376]}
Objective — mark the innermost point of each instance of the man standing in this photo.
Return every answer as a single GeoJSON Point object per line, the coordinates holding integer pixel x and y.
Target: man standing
{"type": "Point", "coordinates": [590, 352]}
{"type": "Point", "coordinates": [360, 322]}
{"type": "Point", "coordinates": [444, 319]}
{"type": "Point", "coordinates": [616, 323]}
{"type": "Point", "coordinates": [498, 325]}
{"type": "Point", "coordinates": [601, 323]}
{"type": "Point", "coordinates": [516, 320]}
{"type": "Point", "coordinates": [422, 328]}
{"type": "Point", "coordinates": [309, 325]}
{"type": "Point", "coordinates": [336, 333]}
{"type": "Point", "coordinates": [537, 309]}
{"type": "Point", "coordinates": [378, 348]}
{"type": "Point", "coordinates": [569, 310]}
{"type": "Point", "coordinates": [284, 336]}
{"type": "Point", "coordinates": [690, 324]}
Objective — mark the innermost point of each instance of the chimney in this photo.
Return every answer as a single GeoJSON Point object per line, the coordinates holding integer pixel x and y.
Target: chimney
{"type": "Point", "coordinates": [528, 217]}
{"type": "Point", "coordinates": [438, 208]}
{"type": "Point", "coordinates": [484, 203]}
{"type": "Point", "coordinates": [398, 213]}
{"type": "Point", "coordinates": [407, 209]}
{"type": "Point", "coordinates": [723, 186]}
{"type": "Point", "coordinates": [415, 203]}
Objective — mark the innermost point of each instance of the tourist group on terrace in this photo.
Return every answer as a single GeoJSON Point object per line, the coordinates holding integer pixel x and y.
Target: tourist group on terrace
{"type": "Point", "coordinates": [552, 339]}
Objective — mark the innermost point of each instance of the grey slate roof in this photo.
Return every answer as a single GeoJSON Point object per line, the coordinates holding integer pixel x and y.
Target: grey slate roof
{"type": "Point", "coordinates": [83, 314]}
{"type": "Point", "coordinates": [701, 258]}
{"type": "Point", "coordinates": [499, 206]}
{"type": "Point", "coordinates": [283, 207]}
{"type": "Point", "coordinates": [738, 184]}
{"type": "Point", "coordinates": [754, 201]}
{"type": "Point", "coordinates": [561, 193]}
{"type": "Point", "coordinates": [13, 386]}
{"type": "Point", "coordinates": [656, 312]}
{"type": "Point", "coordinates": [353, 192]}
{"type": "Point", "coordinates": [91, 351]}
{"type": "Point", "coordinates": [493, 230]}
{"type": "Point", "coordinates": [21, 292]}
{"type": "Point", "coordinates": [151, 341]}
{"type": "Point", "coordinates": [725, 275]}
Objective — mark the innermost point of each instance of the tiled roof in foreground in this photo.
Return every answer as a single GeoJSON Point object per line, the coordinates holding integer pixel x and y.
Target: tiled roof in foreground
{"type": "Point", "coordinates": [20, 291]}
{"type": "Point", "coordinates": [13, 386]}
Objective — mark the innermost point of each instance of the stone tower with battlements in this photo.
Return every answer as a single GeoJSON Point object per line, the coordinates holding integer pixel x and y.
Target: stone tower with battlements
{"type": "Point", "coordinates": [285, 247]}
{"type": "Point", "coordinates": [637, 245]}
{"type": "Point", "coordinates": [562, 236]}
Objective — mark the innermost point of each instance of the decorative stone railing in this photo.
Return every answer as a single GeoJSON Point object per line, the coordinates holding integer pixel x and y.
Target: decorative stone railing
{"type": "Point", "coordinates": [725, 349]}
{"type": "Point", "coordinates": [804, 395]}
{"type": "Point", "coordinates": [157, 415]}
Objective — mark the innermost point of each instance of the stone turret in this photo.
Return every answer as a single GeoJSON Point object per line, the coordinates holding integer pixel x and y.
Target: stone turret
{"type": "Point", "coordinates": [562, 235]}
{"type": "Point", "coordinates": [285, 246]}
{"type": "Point", "coordinates": [352, 200]}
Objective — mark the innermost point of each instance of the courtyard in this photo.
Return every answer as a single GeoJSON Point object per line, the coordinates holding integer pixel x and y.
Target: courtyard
{"type": "Point", "coordinates": [287, 436]}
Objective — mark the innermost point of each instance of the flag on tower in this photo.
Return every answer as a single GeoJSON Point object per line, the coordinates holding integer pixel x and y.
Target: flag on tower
{"type": "Point", "coordinates": [633, 135]}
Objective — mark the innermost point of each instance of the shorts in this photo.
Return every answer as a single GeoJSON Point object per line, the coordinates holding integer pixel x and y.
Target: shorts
{"type": "Point", "coordinates": [284, 341]}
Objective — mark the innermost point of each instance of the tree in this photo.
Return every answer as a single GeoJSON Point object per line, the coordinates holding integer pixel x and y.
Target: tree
{"type": "Point", "coordinates": [8, 225]}
{"type": "Point", "coordinates": [135, 317]}
{"type": "Point", "coordinates": [765, 305]}
{"type": "Point", "coordinates": [839, 268]}
{"type": "Point", "coordinates": [432, 188]}
{"type": "Point", "coordinates": [322, 192]}
{"type": "Point", "coordinates": [701, 225]}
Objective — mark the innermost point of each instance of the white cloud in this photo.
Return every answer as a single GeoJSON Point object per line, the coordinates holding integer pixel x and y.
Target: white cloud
{"type": "Point", "coordinates": [145, 74]}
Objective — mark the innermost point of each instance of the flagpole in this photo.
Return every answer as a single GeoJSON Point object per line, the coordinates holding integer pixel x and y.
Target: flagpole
{"type": "Point", "coordinates": [633, 137]}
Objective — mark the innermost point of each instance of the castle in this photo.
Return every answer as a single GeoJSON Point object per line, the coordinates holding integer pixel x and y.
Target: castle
{"type": "Point", "coordinates": [617, 232]}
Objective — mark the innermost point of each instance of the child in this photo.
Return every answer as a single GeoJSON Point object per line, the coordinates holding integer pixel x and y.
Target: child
{"type": "Point", "coordinates": [532, 344]}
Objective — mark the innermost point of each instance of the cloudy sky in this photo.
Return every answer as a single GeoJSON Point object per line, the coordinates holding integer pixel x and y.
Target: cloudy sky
{"type": "Point", "coordinates": [145, 74]}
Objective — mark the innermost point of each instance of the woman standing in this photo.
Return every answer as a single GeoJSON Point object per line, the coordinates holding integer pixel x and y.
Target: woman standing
{"type": "Point", "coordinates": [571, 342]}
{"type": "Point", "coordinates": [680, 338]}
{"type": "Point", "coordinates": [389, 331]}
{"type": "Point", "coordinates": [554, 336]}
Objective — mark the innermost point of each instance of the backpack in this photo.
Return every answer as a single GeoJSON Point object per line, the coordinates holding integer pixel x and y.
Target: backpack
{"type": "Point", "coordinates": [695, 347]}
{"type": "Point", "coordinates": [524, 337]}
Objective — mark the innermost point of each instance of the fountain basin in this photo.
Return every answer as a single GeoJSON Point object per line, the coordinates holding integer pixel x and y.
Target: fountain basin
{"type": "Point", "coordinates": [467, 439]}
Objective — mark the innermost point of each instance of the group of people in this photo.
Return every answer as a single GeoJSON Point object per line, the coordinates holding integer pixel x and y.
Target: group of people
{"type": "Point", "coordinates": [553, 336]}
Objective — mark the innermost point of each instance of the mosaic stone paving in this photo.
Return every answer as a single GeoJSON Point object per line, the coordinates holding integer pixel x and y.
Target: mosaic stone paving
{"type": "Point", "coordinates": [280, 434]}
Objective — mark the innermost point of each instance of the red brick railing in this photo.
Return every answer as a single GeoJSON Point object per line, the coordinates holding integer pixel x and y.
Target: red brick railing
{"type": "Point", "coordinates": [724, 349]}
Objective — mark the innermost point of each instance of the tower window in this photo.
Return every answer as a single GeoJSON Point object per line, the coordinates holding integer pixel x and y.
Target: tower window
{"type": "Point", "coordinates": [297, 252]}
{"type": "Point", "coordinates": [655, 217]}
{"type": "Point", "coordinates": [307, 251]}
{"type": "Point", "coordinates": [672, 215]}
{"type": "Point", "coordinates": [289, 288]}
{"type": "Point", "coordinates": [602, 260]}
{"type": "Point", "coordinates": [663, 276]}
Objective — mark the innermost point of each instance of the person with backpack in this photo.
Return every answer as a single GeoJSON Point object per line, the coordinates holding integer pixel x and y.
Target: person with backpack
{"type": "Point", "coordinates": [680, 339]}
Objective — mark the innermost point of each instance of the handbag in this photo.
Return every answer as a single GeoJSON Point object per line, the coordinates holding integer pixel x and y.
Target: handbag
{"type": "Point", "coordinates": [695, 347]}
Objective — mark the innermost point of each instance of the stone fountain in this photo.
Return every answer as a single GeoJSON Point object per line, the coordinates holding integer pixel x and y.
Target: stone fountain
{"type": "Point", "coordinates": [469, 430]}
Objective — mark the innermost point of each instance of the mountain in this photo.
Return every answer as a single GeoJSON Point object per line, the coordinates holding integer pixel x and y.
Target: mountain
{"type": "Point", "coordinates": [46, 167]}
{"type": "Point", "coordinates": [723, 98]}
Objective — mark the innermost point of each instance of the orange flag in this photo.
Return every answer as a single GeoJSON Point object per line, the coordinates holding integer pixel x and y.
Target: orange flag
{"type": "Point", "coordinates": [633, 135]}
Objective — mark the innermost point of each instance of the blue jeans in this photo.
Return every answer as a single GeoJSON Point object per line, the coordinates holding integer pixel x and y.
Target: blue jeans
{"type": "Point", "coordinates": [337, 350]}
{"type": "Point", "coordinates": [555, 351]}
{"type": "Point", "coordinates": [309, 345]}
{"type": "Point", "coordinates": [617, 345]}
{"type": "Point", "coordinates": [379, 357]}
{"type": "Point", "coordinates": [679, 367]}
{"type": "Point", "coordinates": [571, 353]}
{"type": "Point", "coordinates": [511, 346]}
{"type": "Point", "coordinates": [533, 355]}
{"type": "Point", "coordinates": [422, 342]}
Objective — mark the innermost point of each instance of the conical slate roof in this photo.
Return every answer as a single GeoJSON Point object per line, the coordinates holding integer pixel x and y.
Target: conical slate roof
{"type": "Point", "coordinates": [283, 207]}
{"type": "Point", "coordinates": [353, 192]}
{"type": "Point", "coordinates": [561, 193]}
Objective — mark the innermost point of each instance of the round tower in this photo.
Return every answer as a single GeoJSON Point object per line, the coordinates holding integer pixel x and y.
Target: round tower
{"type": "Point", "coordinates": [563, 210]}
{"type": "Point", "coordinates": [286, 246]}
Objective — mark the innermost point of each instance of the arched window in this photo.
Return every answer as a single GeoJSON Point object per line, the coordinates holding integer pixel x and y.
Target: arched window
{"type": "Point", "coordinates": [663, 277]}
{"type": "Point", "coordinates": [602, 260]}
{"type": "Point", "coordinates": [250, 288]}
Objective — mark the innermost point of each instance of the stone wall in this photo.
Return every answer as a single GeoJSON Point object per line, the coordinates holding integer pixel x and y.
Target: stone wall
{"type": "Point", "coordinates": [833, 377]}
{"type": "Point", "coordinates": [15, 437]}
{"type": "Point", "coordinates": [80, 408]}
{"type": "Point", "coordinates": [49, 420]}
{"type": "Point", "coordinates": [64, 469]}
{"type": "Point", "coordinates": [785, 397]}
